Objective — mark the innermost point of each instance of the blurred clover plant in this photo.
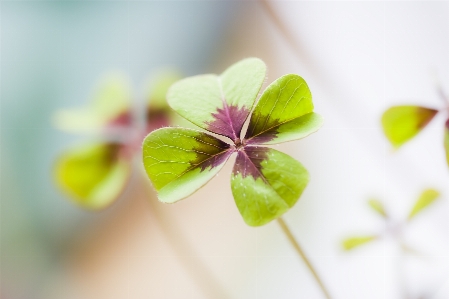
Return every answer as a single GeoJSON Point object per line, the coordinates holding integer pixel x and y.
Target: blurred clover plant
{"type": "Point", "coordinates": [95, 173]}
{"type": "Point", "coordinates": [265, 182]}
{"type": "Point", "coordinates": [394, 228]}
{"type": "Point", "coordinates": [402, 123]}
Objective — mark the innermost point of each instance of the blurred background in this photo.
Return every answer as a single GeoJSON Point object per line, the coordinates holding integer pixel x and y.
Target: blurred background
{"type": "Point", "coordinates": [359, 58]}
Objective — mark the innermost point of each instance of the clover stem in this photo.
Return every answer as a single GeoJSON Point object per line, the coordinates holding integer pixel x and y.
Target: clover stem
{"type": "Point", "coordinates": [187, 256]}
{"type": "Point", "coordinates": [301, 253]}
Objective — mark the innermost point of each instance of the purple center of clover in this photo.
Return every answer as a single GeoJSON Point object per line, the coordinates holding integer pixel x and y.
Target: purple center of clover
{"type": "Point", "coordinates": [228, 121]}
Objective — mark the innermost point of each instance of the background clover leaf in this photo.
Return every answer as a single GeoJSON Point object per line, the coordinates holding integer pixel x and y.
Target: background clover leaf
{"type": "Point", "coordinates": [93, 174]}
{"type": "Point", "coordinates": [426, 198]}
{"type": "Point", "coordinates": [354, 242]}
{"type": "Point", "coordinates": [402, 123]}
{"type": "Point", "coordinates": [265, 183]}
{"type": "Point", "coordinates": [378, 207]}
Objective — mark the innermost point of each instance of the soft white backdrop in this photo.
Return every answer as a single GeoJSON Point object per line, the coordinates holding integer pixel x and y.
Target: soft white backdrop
{"type": "Point", "coordinates": [359, 58]}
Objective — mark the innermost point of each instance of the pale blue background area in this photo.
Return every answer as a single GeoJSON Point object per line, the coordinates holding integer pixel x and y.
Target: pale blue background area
{"type": "Point", "coordinates": [52, 54]}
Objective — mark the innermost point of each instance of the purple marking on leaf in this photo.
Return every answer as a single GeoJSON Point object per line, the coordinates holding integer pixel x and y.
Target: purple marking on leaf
{"type": "Point", "coordinates": [216, 160]}
{"type": "Point", "coordinates": [263, 138]}
{"type": "Point", "coordinates": [228, 121]}
{"type": "Point", "coordinates": [447, 124]}
{"type": "Point", "coordinates": [249, 161]}
{"type": "Point", "coordinates": [425, 115]}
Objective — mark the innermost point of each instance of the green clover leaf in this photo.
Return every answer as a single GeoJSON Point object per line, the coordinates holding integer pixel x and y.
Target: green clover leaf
{"type": "Point", "coordinates": [426, 198]}
{"type": "Point", "coordinates": [93, 174]}
{"type": "Point", "coordinates": [402, 123]}
{"type": "Point", "coordinates": [265, 183]}
{"type": "Point", "coordinates": [354, 242]}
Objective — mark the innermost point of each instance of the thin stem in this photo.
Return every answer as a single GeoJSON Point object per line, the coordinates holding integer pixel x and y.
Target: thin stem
{"type": "Point", "coordinates": [187, 256]}
{"type": "Point", "coordinates": [301, 253]}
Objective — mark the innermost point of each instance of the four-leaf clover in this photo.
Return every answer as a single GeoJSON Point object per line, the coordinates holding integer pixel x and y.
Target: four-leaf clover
{"type": "Point", "coordinates": [265, 182]}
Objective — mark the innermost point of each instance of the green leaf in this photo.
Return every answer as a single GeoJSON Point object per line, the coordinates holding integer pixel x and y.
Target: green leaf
{"type": "Point", "coordinates": [180, 161]}
{"type": "Point", "coordinates": [378, 206]}
{"type": "Point", "coordinates": [426, 198]}
{"type": "Point", "coordinates": [219, 104]}
{"type": "Point", "coordinates": [94, 175]}
{"type": "Point", "coordinates": [111, 99]}
{"type": "Point", "coordinates": [266, 183]}
{"type": "Point", "coordinates": [353, 242]}
{"type": "Point", "coordinates": [401, 123]}
{"type": "Point", "coordinates": [283, 113]}
{"type": "Point", "coordinates": [446, 140]}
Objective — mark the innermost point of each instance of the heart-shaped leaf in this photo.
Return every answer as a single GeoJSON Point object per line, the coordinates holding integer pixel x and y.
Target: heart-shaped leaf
{"type": "Point", "coordinates": [353, 242]}
{"type": "Point", "coordinates": [425, 199]}
{"type": "Point", "coordinates": [378, 206]}
{"type": "Point", "coordinates": [180, 161]}
{"type": "Point", "coordinates": [219, 104]}
{"type": "Point", "coordinates": [94, 174]}
{"type": "Point", "coordinates": [266, 183]}
{"type": "Point", "coordinates": [283, 113]}
{"type": "Point", "coordinates": [401, 123]}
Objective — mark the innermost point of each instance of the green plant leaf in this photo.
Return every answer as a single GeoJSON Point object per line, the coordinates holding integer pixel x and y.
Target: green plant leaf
{"type": "Point", "coordinates": [378, 206]}
{"type": "Point", "coordinates": [266, 183]}
{"type": "Point", "coordinates": [283, 113]}
{"type": "Point", "coordinates": [353, 242]}
{"type": "Point", "coordinates": [446, 140]}
{"type": "Point", "coordinates": [425, 199]}
{"type": "Point", "coordinates": [219, 104]}
{"type": "Point", "coordinates": [93, 175]}
{"type": "Point", "coordinates": [401, 123]}
{"type": "Point", "coordinates": [111, 100]}
{"type": "Point", "coordinates": [180, 161]}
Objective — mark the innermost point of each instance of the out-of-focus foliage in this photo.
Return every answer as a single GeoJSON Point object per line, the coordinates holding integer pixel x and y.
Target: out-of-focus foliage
{"type": "Point", "coordinates": [265, 183]}
{"type": "Point", "coordinates": [111, 99]}
{"type": "Point", "coordinates": [426, 198]}
{"type": "Point", "coordinates": [378, 206]}
{"type": "Point", "coordinates": [92, 174]}
{"type": "Point", "coordinates": [402, 123]}
{"type": "Point", "coordinates": [351, 243]}
{"type": "Point", "coordinates": [95, 173]}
